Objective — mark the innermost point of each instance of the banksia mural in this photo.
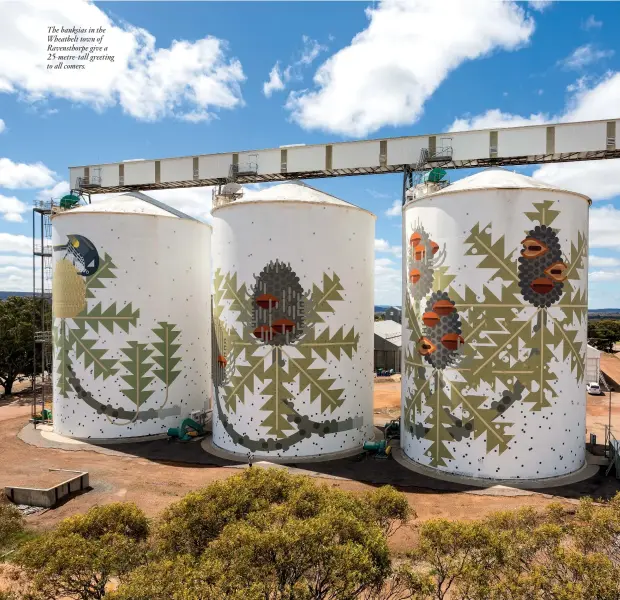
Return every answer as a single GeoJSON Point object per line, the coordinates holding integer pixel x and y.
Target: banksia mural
{"type": "Point", "coordinates": [494, 352]}
{"type": "Point", "coordinates": [277, 347]}
{"type": "Point", "coordinates": [79, 272]}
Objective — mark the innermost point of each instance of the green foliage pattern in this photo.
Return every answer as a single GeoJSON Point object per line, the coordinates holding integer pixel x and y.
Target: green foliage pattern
{"type": "Point", "coordinates": [296, 365]}
{"type": "Point", "coordinates": [68, 337]}
{"type": "Point", "coordinates": [138, 378]}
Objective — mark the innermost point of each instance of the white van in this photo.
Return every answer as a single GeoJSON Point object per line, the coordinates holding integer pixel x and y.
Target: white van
{"type": "Point", "coordinates": [593, 388]}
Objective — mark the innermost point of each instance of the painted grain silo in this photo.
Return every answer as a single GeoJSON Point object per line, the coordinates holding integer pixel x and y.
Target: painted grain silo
{"type": "Point", "coordinates": [293, 324]}
{"type": "Point", "coordinates": [495, 290]}
{"type": "Point", "coordinates": [132, 323]}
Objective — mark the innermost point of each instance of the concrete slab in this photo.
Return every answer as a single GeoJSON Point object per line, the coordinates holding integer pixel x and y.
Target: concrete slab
{"type": "Point", "coordinates": [49, 496]}
{"type": "Point", "coordinates": [585, 472]}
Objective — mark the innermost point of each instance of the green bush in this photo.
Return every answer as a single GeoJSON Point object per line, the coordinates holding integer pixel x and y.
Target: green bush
{"type": "Point", "coordinates": [11, 524]}
{"type": "Point", "coordinates": [81, 556]}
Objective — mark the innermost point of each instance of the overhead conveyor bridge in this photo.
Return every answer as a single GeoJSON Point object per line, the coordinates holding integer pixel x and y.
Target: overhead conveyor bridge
{"type": "Point", "coordinates": [535, 144]}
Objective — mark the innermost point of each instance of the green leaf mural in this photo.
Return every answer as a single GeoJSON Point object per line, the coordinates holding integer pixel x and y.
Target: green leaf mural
{"type": "Point", "coordinates": [84, 348]}
{"type": "Point", "coordinates": [442, 279]}
{"type": "Point", "coordinates": [486, 421]}
{"type": "Point", "coordinates": [312, 378]}
{"type": "Point", "coordinates": [226, 340]}
{"type": "Point", "coordinates": [104, 271]}
{"type": "Point", "coordinates": [277, 394]}
{"type": "Point", "coordinates": [166, 348]}
{"type": "Point", "coordinates": [322, 297]}
{"type": "Point", "coordinates": [543, 215]}
{"type": "Point", "coordinates": [94, 317]}
{"type": "Point", "coordinates": [138, 366]}
{"type": "Point", "coordinates": [62, 358]}
{"type": "Point", "coordinates": [324, 344]}
{"type": "Point", "coordinates": [238, 295]}
{"type": "Point", "coordinates": [438, 423]}
{"type": "Point", "coordinates": [244, 378]}
{"type": "Point", "coordinates": [493, 253]}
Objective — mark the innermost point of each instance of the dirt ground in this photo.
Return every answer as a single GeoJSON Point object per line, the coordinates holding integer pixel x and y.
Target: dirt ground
{"type": "Point", "coordinates": [153, 485]}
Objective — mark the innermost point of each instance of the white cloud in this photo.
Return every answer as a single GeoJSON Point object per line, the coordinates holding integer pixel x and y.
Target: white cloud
{"type": "Point", "coordinates": [589, 101]}
{"type": "Point", "coordinates": [583, 56]}
{"type": "Point", "coordinates": [605, 227]}
{"type": "Point", "coordinates": [376, 194]}
{"type": "Point", "coordinates": [310, 51]}
{"type": "Point", "coordinates": [603, 261]}
{"type": "Point", "coordinates": [19, 244]}
{"type": "Point", "coordinates": [384, 246]}
{"type": "Point", "coordinates": [392, 67]}
{"type": "Point", "coordinates": [148, 83]}
{"type": "Point", "coordinates": [592, 23]}
{"type": "Point", "coordinates": [495, 118]}
{"type": "Point", "coordinates": [604, 276]}
{"type": "Point", "coordinates": [598, 102]}
{"type": "Point", "coordinates": [388, 282]}
{"type": "Point", "coordinates": [279, 78]}
{"type": "Point", "coordinates": [275, 82]}
{"type": "Point", "coordinates": [2, 126]}
{"type": "Point", "coordinates": [197, 116]}
{"type": "Point", "coordinates": [57, 191]}
{"type": "Point", "coordinates": [598, 179]}
{"type": "Point", "coordinates": [11, 208]}
{"type": "Point", "coordinates": [15, 279]}
{"type": "Point", "coordinates": [22, 175]}
{"type": "Point", "coordinates": [395, 210]}
{"type": "Point", "coordinates": [540, 5]}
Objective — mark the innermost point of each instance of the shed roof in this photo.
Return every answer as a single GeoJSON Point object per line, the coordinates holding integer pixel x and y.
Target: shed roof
{"type": "Point", "coordinates": [390, 331]}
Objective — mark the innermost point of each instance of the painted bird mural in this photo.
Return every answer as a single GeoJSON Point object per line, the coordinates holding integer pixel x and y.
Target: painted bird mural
{"type": "Point", "coordinates": [82, 253]}
{"type": "Point", "coordinates": [80, 260]}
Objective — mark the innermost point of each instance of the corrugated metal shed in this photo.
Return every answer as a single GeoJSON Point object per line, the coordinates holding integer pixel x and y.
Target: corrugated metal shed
{"type": "Point", "coordinates": [390, 331]}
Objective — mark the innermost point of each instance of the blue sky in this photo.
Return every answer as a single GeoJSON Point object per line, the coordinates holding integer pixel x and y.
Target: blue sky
{"type": "Point", "coordinates": [215, 77]}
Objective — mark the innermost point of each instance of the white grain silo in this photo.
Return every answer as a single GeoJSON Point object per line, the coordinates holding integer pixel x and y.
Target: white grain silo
{"type": "Point", "coordinates": [495, 282]}
{"type": "Point", "coordinates": [132, 326]}
{"type": "Point", "coordinates": [293, 324]}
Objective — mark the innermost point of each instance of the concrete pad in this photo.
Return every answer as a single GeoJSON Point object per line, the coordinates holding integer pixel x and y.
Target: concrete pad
{"type": "Point", "coordinates": [43, 436]}
{"type": "Point", "coordinates": [47, 433]}
{"type": "Point", "coordinates": [585, 472]}
{"type": "Point", "coordinates": [209, 447]}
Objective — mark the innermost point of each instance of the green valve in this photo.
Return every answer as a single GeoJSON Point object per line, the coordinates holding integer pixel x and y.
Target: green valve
{"type": "Point", "coordinates": [69, 201]}
{"type": "Point", "coordinates": [434, 175]}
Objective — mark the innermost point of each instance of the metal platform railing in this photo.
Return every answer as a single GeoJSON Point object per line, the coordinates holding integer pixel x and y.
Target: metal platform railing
{"type": "Point", "coordinates": [44, 249]}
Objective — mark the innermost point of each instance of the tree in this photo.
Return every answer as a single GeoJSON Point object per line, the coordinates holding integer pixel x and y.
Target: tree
{"type": "Point", "coordinates": [604, 333]}
{"type": "Point", "coordinates": [520, 555]}
{"type": "Point", "coordinates": [19, 317]}
{"type": "Point", "coordinates": [79, 558]}
{"type": "Point", "coordinates": [268, 534]}
{"type": "Point", "coordinates": [11, 524]}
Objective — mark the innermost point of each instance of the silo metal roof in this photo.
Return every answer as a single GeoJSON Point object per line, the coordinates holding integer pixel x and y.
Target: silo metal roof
{"type": "Point", "coordinates": [131, 203]}
{"type": "Point", "coordinates": [295, 191]}
{"type": "Point", "coordinates": [498, 178]}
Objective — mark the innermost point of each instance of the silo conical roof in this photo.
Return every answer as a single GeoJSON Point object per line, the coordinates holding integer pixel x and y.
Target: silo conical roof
{"type": "Point", "coordinates": [498, 178]}
{"type": "Point", "coordinates": [132, 203]}
{"type": "Point", "coordinates": [293, 191]}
